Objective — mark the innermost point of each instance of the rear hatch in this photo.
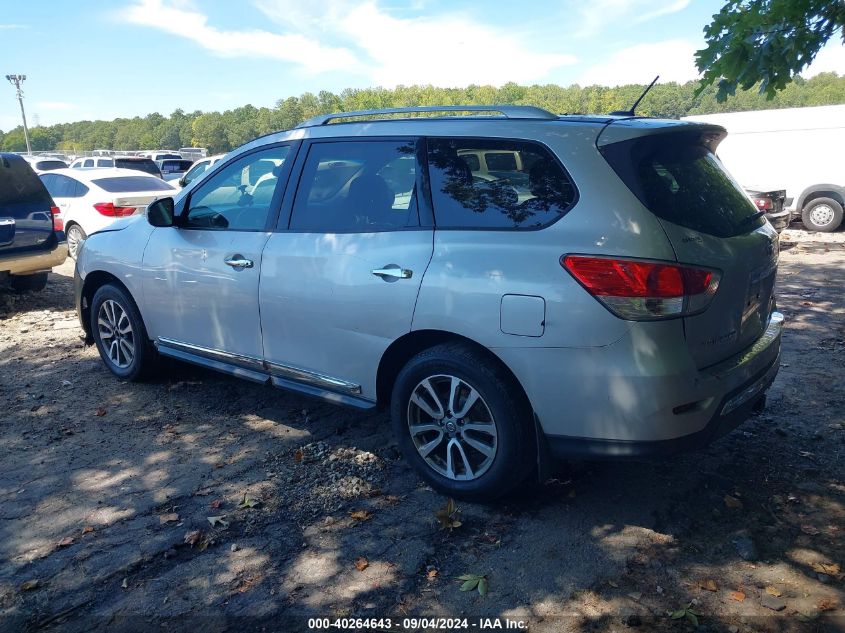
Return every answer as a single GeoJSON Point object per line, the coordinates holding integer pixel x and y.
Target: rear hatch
{"type": "Point", "coordinates": [127, 195]}
{"type": "Point", "coordinates": [711, 223]}
{"type": "Point", "coordinates": [26, 218]}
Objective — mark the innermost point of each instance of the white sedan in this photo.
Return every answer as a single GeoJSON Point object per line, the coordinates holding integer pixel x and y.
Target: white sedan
{"type": "Point", "coordinates": [92, 199]}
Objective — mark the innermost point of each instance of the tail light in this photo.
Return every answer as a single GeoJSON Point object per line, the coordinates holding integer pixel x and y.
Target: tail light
{"type": "Point", "coordinates": [58, 223]}
{"type": "Point", "coordinates": [108, 208]}
{"type": "Point", "coordinates": [641, 290]}
{"type": "Point", "coordinates": [764, 204]}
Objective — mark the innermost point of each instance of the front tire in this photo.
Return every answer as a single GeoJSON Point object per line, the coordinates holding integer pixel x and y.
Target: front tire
{"type": "Point", "coordinates": [119, 333]}
{"type": "Point", "coordinates": [75, 236]}
{"type": "Point", "coordinates": [822, 214]}
{"type": "Point", "coordinates": [462, 422]}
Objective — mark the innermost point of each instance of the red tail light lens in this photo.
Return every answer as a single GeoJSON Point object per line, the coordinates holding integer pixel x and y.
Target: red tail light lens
{"type": "Point", "coordinates": [58, 223]}
{"type": "Point", "coordinates": [643, 290]}
{"type": "Point", "coordinates": [108, 208]}
{"type": "Point", "coordinates": [763, 204]}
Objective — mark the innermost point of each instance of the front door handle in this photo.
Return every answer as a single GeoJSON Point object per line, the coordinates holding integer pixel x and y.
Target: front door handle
{"type": "Point", "coordinates": [239, 262]}
{"type": "Point", "coordinates": [392, 271]}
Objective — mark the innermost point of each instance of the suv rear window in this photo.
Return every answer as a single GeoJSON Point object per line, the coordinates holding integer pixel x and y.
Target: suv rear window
{"type": "Point", "coordinates": [21, 191]}
{"type": "Point", "coordinates": [125, 184]}
{"type": "Point", "coordinates": [528, 190]}
{"type": "Point", "coordinates": [46, 165]}
{"type": "Point", "coordinates": [679, 179]}
{"type": "Point", "coordinates": [141, 164]}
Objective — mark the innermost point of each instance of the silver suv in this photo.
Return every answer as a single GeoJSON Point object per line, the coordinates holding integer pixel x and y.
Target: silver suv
{"type": "Point", "coordinates": [604, 289]}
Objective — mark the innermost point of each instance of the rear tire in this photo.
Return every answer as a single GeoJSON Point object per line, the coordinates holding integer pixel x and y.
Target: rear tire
{"type": "Point", "coordinates": [33, 283]}
{"type": "Point", "coordinates": [822, 214]}
{"type": "Point", "coordinates": [431, 422]}
{"type": "Point", "coordinates": [120, 335]}
{"type": "Point", "coordinates": [75, 236]}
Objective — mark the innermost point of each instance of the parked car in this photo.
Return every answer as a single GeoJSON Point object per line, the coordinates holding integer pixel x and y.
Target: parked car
{"type": "Point", "coordinates": [771, 204]}
{"type": "Point", "coordinates": [173, 168]}
{"type": "Point", "coordinates": [138, 163]}
{"type": "Point", "coordinates": [92, 199]}
{"type": "Point", "coordinates": [626, 308]}
{"type": "Point", "coordinates": [198, 168]}
{"type": "Point", "coordinates": [31, 237]}
{"type": "Point", "coordinates": [157, 155]}
{"type": "Point", "coordinates": [40, 164]}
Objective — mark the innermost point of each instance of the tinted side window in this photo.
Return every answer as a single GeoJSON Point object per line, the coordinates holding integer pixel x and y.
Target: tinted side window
{"type": "Point", "coordinates": [525, 186]}
{"type": "Point", "coordinates": [89, 162]}
{"type": "Point", "coordinates": [239, 195]}
{"type": "Point", "coordinates": [357, 187]}
{"type": "Point", "coordinates": [62, 187]}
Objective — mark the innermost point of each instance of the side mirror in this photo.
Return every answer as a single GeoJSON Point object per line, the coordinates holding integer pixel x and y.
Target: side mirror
{"type": "Point", "coordinates": [160, 212]}
{"type": "Point", "coordinates": [182, 182]}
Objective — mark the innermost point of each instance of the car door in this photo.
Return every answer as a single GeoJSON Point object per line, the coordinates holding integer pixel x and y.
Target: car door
{"type": "Point", "coordinates": [201, 276]}
{"type": "Point", "coordinates": [339, 281]}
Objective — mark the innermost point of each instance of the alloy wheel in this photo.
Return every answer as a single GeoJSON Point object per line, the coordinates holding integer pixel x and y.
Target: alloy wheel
{"type": "Point", "coordinates": [74, 239]}
{"type": "Point", "coordinates": [116, 333]}
{"type": "Point", "coordinates": [452, 427]}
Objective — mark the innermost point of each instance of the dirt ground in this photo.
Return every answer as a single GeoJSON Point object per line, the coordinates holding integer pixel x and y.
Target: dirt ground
{"type": "Point", "coordinates": [198, 502]}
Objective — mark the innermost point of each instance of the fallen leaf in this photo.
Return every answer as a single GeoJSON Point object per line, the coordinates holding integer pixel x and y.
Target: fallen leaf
{"type": "Point", "coordinates": [774, 591]}
{"type": "Point", "coordinates": [215, 504]}
{"type": "Point", "coordinates": [732, 502]}
{"type": "Point", "coordinates": [615, 585]}
{"type": "Point", "coordinates": [474, 581]}
{"type": "Point", "coordinates": [125, 583]}
{"type": "Point", "coordinates": [825, 604]}
{"type": "Point", "coordinates": [219, 520]}
{"type": "Point", "coordinates": [361, 563]}
{"type": "Point", "coordinates": [432, 574]}
{"type": "Point", "coordinates": [193, 537]}
{"type": "Point", "coordinates": [392, 498]}
{"type": "Point", "coordinates": [361, 515]}
{"type": "Point", "coordinates": [248, 502]}
{"type": "Point", "coordinates": [87, 530]}
{"type": "Point", "coordinates": [448, 516]}
{"type": "Point", "coordinates": [709, 585]}
{"type": "Point", "coordinates": [100, 412]}
{"type": "Point", "coordinates": [810, 529]}
{"type": "Point", "coordinates": [168, 518]}
{"type": "Point", "coordinates": [739, 596]}
{"type": "Point", "coordinates": [831, 569]}
{"type": "Point", "coordinates": [29, 585]}
{"type": "Point", "coordinates": [298, 455]}
{"type": "Point", "coordinates": [483, 586]}
{"type": "Point", "coordinates": [203, 493]}
{"type": "Point", "coordinates": [68, 540]}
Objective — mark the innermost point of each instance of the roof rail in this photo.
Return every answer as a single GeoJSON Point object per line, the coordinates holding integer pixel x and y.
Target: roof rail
{"type": "Point", "coordinates": [507, 111]}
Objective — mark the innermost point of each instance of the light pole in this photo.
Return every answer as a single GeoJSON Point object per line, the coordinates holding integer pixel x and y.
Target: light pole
{"type": "Point", "coordinates": [16, 80]}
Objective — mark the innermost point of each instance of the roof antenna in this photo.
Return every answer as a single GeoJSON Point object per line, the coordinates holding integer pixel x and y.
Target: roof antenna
{"type": "Point", "coordinates": [636, 103]}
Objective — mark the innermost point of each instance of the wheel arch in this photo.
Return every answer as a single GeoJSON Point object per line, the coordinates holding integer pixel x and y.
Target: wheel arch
{"type": "Point", "coordinates": [823, 190]}
{"type": "Point", "coordinates": [95, 280]}
{"type": "Point", "coordinates": [407, 346]}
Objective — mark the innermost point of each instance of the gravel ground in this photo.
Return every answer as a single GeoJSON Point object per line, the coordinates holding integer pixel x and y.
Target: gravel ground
{"type": "Point", "coordinates": [199, 502]}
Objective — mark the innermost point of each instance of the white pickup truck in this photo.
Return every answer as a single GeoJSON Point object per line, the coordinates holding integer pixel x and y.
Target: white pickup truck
{"type": "Point", "coordinates": [799, 150]}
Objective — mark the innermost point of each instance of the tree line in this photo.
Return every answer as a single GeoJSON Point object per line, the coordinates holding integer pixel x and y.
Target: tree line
{"type": "Point", "coordinates": [222, 131]}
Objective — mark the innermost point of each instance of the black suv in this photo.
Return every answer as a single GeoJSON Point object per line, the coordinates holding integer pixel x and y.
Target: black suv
{"type": "Point", "coordinates": [31, 237]}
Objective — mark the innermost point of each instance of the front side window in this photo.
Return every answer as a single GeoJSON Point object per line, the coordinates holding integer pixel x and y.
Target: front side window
{"type": "Point", "coordinates": [524, 185]}
{"type": "Point", "coordinates": [196, 171]}
{"type": "Point", "coordinates": [357, 187]}
{"type": "Point", "coordinates": [238, 196]}
{"type": "Point", "coordinates": [89, 162]}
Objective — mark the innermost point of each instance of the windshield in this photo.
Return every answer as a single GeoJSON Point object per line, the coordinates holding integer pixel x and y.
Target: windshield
{"type": "Point", "coordinates": [140, 164]}
{"type": "Point", "coordinates": [125, 184]}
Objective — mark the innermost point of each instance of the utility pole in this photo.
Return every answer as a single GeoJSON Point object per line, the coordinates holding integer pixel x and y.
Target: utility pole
{"type": "Point", "coordinates": [16, 81]}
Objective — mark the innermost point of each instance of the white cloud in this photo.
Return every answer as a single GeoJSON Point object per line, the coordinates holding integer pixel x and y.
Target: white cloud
{"type": "Point", "coordinates": [831, 58]}
{"type": "Point", "coordinates": [293, 47]}
{"type": "Point", "coordinates": [450, 49]}
{"type": "Point", "coordinates": [55, 105]}
{"type": "Point", "coordinates": [598, 15]}
{"type": "Point", "coordinates": [673, 60]}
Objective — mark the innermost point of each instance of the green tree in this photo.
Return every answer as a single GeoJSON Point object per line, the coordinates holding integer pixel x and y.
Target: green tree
{"type": "Point", "coordinates": [765, 43]}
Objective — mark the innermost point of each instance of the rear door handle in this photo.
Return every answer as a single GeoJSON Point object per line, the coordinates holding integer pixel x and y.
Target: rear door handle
{"type": "Point", "coordinates": [238, 261]}
{"type": "Point", "coordinates": [392, 271]}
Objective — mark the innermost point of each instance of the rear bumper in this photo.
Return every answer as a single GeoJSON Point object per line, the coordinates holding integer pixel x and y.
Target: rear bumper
{"type": "Point", "coordinates": [780, 220]}
{"type": "Point", "coordinates": [26, 263]}
{"type": "Point", "coordinates": [643, 394]}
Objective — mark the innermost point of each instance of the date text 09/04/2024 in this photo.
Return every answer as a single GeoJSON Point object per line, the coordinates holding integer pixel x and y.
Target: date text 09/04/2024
{"type": "Point", "coordinates": [414, 624]}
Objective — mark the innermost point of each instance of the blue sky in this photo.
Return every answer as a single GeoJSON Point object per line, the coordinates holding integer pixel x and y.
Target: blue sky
{"type": "Point", "coordinates": [97, 59]}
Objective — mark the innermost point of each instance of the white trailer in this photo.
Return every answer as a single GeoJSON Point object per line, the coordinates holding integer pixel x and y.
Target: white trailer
{"type": "Point", "coordinates": [799, 150]}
